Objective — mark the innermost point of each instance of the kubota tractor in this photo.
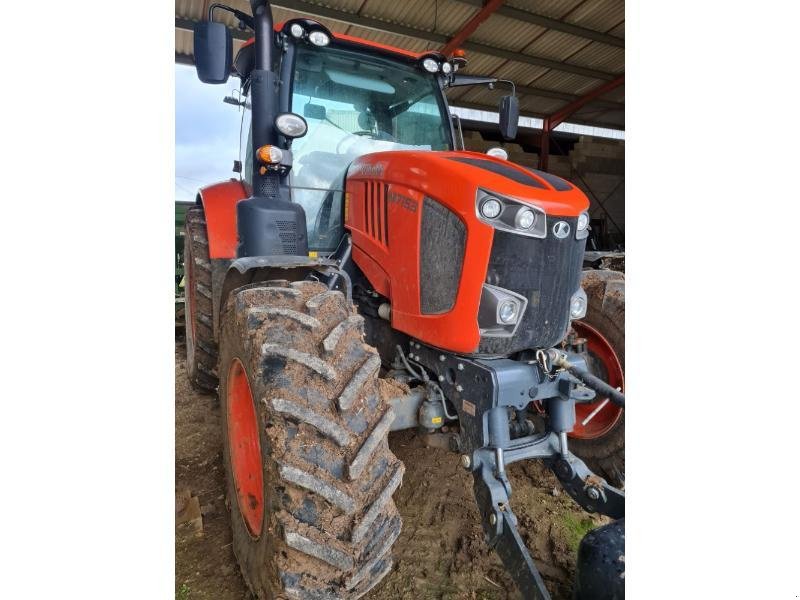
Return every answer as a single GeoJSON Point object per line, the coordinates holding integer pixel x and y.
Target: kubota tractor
{"type": "Point", "coordinates": [360, 243]}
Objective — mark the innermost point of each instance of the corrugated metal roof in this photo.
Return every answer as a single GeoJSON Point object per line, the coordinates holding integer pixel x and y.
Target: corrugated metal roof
{"type": "Point", "coordinates": [600, 15]}
{"type": "Point", "coordinates": [600, 56]}
{"type": "Point", "coordinates": [499, 41]}
{"type": "Point", "coordinates": [503, 32]}
{"type": "Point", "coordinates": [555, 9]}
{"type": "Point", "coordinates": [444, 17]}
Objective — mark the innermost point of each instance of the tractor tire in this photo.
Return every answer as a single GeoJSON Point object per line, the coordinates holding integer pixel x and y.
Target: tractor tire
{"type": "Point", "coordinates": [310, 475]}
{"type": "Point", "coordinates": [604, 453]}
{"type": "Point", "coordinates": [201, 349]}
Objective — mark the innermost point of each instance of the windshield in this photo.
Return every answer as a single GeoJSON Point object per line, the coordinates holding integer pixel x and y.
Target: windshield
{"type": "Point", "coordinates": [355, 104]}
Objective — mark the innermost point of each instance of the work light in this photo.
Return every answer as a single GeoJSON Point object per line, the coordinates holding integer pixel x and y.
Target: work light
{"type": "Point", "coordinates": [319, 38]}
{"type": "Point", "coordinates": [430, 65]}
{"type": "Point", "coordinates": [291, 125]}
{"type": "Point", "coordinates": [297, 30]}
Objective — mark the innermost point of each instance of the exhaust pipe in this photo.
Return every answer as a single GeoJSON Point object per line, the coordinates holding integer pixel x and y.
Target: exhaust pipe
{"type": "Point", "coordinates": [262, 15]}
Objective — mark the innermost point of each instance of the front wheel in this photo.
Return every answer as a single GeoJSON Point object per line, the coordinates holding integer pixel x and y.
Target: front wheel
{"type": "Point", "coordinates": [599, 433]}
{"type": "Point", "coordinates": [310, 474]}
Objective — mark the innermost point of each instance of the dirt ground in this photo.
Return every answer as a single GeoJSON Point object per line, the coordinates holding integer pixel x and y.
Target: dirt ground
{"type": "Point", "coordinates": [440, 554]}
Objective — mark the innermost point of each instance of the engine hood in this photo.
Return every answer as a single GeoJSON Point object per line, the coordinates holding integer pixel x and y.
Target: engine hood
{"type": "Point", "coordinates": [456, 176]}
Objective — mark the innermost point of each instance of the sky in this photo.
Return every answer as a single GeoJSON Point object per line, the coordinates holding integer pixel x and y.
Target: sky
{"type": "Point", "coordinates": [206, 133]}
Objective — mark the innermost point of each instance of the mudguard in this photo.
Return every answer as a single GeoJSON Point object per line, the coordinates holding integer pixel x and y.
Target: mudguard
{"type": "Point", "coordinates": [219, 202]}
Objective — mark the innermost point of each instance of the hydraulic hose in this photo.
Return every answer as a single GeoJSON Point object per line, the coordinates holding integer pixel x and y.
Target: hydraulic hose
{"type": "Point", "coordinates": [589, 380]}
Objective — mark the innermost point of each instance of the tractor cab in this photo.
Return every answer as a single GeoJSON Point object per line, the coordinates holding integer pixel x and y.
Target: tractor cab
{"type": "Point", "coordinates": [355, 100]}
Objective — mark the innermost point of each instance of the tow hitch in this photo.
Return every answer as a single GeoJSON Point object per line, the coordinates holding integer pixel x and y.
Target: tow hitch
{"type": "Point", "coordinates": [484, 391]}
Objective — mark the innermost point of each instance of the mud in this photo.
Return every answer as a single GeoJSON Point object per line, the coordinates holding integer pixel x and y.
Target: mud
{"type": "Point", "coordinates": [440, 553]}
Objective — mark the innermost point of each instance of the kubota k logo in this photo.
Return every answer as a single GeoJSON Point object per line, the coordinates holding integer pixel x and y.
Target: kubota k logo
{"type": "Point", "coordinates": [561, 229]}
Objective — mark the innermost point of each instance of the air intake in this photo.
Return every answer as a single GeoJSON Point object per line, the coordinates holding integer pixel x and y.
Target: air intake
{"type": "Point", "coordinates": [376, 212]}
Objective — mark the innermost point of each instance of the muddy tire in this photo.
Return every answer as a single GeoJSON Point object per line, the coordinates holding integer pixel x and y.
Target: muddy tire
{"type": "Point", "coordinates": [201, 349]}
{"type": "Point", "coordinates": [326, 472]}
{"type": "Point", "coordinates": [605, 291]}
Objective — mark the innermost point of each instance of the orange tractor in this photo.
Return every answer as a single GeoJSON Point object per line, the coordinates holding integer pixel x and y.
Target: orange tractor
{"type": "Point", "coordinates": [359, 244]}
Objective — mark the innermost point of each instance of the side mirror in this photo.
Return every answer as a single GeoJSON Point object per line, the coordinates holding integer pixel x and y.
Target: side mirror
{"type": "Point", "coordinates": [509, 117]}
{"type": "Point", "coordinates": [213, 51]}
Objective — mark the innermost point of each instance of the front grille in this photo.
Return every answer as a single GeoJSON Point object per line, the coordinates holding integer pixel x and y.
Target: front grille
{"type": "Point", "coordinates": [547, 272]}
{"type": "Point", "coordinates": [441, 248]}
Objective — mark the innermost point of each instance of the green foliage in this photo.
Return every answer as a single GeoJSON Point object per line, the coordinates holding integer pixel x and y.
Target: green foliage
{"type": "Point", "coordinates": [183, 593]}
{"type": "Point", "coordinates": [576, 527]}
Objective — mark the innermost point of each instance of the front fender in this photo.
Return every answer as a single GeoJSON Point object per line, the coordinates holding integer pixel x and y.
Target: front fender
{"type": "Point", "coordinates": [219, 202]}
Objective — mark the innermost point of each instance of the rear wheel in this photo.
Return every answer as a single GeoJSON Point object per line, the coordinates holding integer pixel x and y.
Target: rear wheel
{"type": "Point", "coordinates": [599, 433]}
{"type": "Point", "coordinates": [310, 474]}
{"type": "Point", "coordinates": [201, 349]}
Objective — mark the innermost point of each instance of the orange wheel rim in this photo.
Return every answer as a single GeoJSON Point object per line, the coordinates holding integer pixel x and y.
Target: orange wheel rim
{"type": "Point", "coordinates": [245, 449]}
{"type": "Point", "coordinates": [598, 418]}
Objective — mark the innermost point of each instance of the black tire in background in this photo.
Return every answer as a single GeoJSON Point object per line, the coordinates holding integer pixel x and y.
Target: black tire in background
{"type": "Point", "coordinates": [201, 349]}
{"type": "Point", "coordinates": [605, 291]}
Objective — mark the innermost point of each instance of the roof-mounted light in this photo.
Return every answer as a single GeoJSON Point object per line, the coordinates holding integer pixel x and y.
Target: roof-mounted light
{"type": "Point", "coordinates": [319, 38]}
{"type": "Point", "coordinates": [297, 30]}
{"type": "Point", "coordinates": [430, 65]}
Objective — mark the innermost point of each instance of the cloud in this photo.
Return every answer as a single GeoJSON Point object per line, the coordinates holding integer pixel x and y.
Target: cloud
{"type": "Point", "coordinates": [206, 133]}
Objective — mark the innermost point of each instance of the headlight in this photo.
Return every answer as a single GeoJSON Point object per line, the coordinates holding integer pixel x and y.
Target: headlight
{"type": "Point", "coordinates": [297, 30]}
{"type": "Point", "coordinates": [525, 218]}
{"type": "Point", "coordinates": [291, 125]}
{"type": "Point", "coordinates": [491, 207]}
{"type": "Point", "coordinates": [509, 214]}
{"type": "Point", "coordinates": [500, 311]}
{"type": "Point", "coordinates": [507, 311]}
{"type": "Point", "coordinates": [430, 65]}
{"type": "Point", "coordinates": [319, 38]}
{"type": "Point", "coordinates": [583, 221]}
{"type": "Point", "coordinates": [577, 305]}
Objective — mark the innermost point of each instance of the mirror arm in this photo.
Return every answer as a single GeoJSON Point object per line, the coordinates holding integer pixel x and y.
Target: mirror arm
{"type": "Point", "coordinates": [511, 83]}
{"type": "Point", "coordinates": [461, 80]}
{"type": "Point", "coordinates": [243, 17]}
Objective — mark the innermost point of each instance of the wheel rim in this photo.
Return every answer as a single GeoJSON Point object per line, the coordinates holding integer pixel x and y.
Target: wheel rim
{"type": "Point", "coordinates": [604, 357]}
{"type": "Point", "coordinates": [245, 449]}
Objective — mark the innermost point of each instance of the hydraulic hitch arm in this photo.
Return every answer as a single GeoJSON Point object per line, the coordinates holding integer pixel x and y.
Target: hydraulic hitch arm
{"type": "Point", "coordinates": [493, 391]}
{"type": "Point", "coordinates": [492, 493]}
